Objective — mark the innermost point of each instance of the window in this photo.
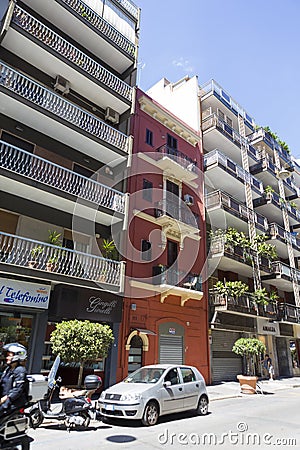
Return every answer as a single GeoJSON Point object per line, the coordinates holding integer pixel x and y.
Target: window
{"type": "Point", "coordinates": [17, 142]}
{"type": "Point", "coordinates": [172, 376]}
{"type": "Point", "coordinates": [229, 121]}
{"type": "Point", "coordinates": [221, 115]}
{"type": "Point", "coordinates": [81, 170]}
{"type": "Point", "coordinates": [149, 137]}
{"type": "Point", "coordinates": [171, 142]}
{"type": "Point", "coordinates": [147, 190]}
{"type": "Point", "coordinates": [146, 250]}
{"type": "Point", "coordinates": [187, 375]}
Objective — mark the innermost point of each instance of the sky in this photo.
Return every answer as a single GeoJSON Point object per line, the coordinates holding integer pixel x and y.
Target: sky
{"type": "Point", "coordinates": [252, 49]}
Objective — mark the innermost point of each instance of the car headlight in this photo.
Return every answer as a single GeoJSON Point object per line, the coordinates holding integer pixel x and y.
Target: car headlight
{"type": "Point", "coordinates": [102, 396]}
{"type": "Point", "coordinates": [130, 397]}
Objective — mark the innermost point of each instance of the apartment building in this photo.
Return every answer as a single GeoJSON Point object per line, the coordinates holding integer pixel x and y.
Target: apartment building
{"type": "Point", "coordinates": [252, 199]}
{"type": "Point", "coordinates": [67, 71]}
{"type": "Point", "coordinates": [165, 305]}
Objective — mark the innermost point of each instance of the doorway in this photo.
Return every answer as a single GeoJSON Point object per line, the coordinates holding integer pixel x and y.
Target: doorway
{"type": "Point", "coordinates": [135, 356]}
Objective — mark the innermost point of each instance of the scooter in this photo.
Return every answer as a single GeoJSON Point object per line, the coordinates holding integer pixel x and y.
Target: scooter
{"type": "Point", "coordinates": [76, 408]}
{"type": "Point", "coordinates": [13, 429]}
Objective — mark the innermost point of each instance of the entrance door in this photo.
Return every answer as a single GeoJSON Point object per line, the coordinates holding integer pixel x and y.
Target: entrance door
{"type": "Point", "coordinates": [283, 353]}
{"type": "Point", "coordinates": [135, 355]}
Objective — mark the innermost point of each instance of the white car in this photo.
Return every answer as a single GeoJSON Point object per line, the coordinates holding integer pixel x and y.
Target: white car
{"type": "Point", "coordinates": [153, 391]}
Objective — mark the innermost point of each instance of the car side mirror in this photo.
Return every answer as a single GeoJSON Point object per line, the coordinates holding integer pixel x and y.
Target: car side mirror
{"type": "Point", "coordinates": [167, 384]}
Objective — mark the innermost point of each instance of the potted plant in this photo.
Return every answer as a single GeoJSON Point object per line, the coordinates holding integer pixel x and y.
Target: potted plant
{"type": "Point", "coordinates": [50, 266]}
{"type": "Point", "coordinates": [248, 348]}
{"type": "Point", "coordinates": [269, 191]}
{"type": "Point", "coordinates": [54, 238]}
{"type": "Point", "coordinates": [109, 249]}
{"type": "Point", "coordinates": [35, 253]}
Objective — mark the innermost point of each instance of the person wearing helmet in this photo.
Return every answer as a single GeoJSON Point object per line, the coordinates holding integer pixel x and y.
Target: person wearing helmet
{"type": "Point", "coordinates": [13, 382]}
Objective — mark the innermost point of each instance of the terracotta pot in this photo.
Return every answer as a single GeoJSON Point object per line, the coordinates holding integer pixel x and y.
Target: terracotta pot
{"type": "Point", "coordinates": [248, 384]}
{"type": "Point", "coordinates": [32, 264]}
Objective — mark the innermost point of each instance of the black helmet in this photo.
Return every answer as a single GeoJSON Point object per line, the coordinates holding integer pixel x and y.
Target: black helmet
{"type": "Point", "coordinates": [20, 352]}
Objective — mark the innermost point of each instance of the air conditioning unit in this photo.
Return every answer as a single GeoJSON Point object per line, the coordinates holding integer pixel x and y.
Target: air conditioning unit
{"type": "Point", "coordinates": [189, 199]}
{"type": "Point", "coordinates": [62, 85]}
{"type": "Point", "coordinates": [111, 115]}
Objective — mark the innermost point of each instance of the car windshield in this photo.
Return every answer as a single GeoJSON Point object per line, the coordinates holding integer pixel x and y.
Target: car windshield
{"type": "Point", "coordinates": [145, 375]}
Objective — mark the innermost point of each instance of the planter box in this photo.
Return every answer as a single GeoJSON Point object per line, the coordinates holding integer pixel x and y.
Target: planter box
{"type": "Point", "coordinates": [248, 384]}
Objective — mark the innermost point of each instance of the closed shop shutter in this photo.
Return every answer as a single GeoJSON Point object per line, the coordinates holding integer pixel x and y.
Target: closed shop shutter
{"type": "Point", "coordinates": [170, 349]}
{"type": "Point", "coordinates": [226, 365]}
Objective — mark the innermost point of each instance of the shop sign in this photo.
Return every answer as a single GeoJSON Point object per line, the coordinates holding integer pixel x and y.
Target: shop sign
{"type": "Point", "coordinates": [172, 331]}
{"type": "Point", "coordinates": [19, 293]}
{"type": "Point", "coordinates": [266, 327]}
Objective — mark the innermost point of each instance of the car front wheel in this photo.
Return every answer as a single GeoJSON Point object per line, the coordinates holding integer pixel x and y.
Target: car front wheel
{"type": "Point", "coordinates": [202, 409]}
{"type": "Point", "coordinates": [151, 414]}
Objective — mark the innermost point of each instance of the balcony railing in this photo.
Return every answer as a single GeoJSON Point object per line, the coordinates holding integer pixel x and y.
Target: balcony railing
{"type": "Point", "coordinates": [222, 200]}
{"type": "Point", "coordinates": [174, 277]}
{"type": "Point", "coordinates": [102, 26]}
{"type": "Point", "coordinates": [216, 157]}
{"type": "Point", "coordinates": [261, 134]}
{"type": "Point", "coordinates": [288, 313]}
{"type": "Point", "coordinates": [130, 7]}
{"type": "Point", "coordinates": [216, 121]}
{"type": "Point", "coordinates": [63, 48]}
{"type": "Point", "coordinates": [20, 251]}
{"type": "Point", "coordinates": [172, 209]}
{"type": "Point", "coordinates": [53, 103]}
{"type": "Point", "coordinates": [177, 156]}
{"type": "Point", "coordinates": [279, 232]}
{"type": "Point", "coordinates": [213, 86]}
{"type": "Point", "coordinates": [39, 169]}
{"type": "Point", "coordinates": [243, 304]}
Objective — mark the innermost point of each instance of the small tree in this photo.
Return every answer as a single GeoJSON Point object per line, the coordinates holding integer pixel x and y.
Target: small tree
{"type": "Point", "coordinates": [81, 341]}
{"type": "Point", "coordinates": [248, 347]}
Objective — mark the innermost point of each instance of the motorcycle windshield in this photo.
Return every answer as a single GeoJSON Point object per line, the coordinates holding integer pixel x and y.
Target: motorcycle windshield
{"type": "Point", "coordinates": [53, 371]}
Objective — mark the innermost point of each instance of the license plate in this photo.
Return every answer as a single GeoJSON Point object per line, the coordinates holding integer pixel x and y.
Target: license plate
{"type": "Point", "coordinates": [110, 407]}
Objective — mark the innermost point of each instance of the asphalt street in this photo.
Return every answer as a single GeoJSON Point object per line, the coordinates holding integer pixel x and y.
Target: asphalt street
{"type": "Point", "coordinates": [250, 422]}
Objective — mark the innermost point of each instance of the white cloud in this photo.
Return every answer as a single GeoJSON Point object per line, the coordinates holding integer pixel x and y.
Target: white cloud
{"type": "Point", "coordinates": [183, 64]}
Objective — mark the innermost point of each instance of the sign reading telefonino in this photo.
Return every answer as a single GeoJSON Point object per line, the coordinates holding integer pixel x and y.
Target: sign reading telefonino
{"type": "Point", "coordinates": [18, 293]}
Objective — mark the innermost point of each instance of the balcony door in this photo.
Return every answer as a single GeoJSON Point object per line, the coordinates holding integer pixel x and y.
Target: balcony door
{"type": "Point", "coordinates": [172, 255]}
{"type": "Point", "coordinates": [172, 203]}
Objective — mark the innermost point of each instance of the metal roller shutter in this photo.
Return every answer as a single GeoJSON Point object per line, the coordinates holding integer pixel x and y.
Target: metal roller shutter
{"type": "Point", "coordinates": [225, 364]}
{"type": "Point", "coordinates": [170, 349]}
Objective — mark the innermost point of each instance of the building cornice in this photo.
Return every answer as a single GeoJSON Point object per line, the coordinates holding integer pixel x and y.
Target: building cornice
{"type": "Point", "coordinates": [153, 109]}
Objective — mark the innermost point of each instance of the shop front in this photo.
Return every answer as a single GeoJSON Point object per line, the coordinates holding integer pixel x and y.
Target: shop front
{"type": "Point", "coordinates": [23, 317]}
{"type": "Point", "coordinates": [267, 333]}
{"type": "Point", "coordinates": [70, 302]}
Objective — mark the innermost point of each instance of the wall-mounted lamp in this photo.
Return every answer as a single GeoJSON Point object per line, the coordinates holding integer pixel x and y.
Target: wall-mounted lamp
{"type": "Point", "coordinates": [283, 174]}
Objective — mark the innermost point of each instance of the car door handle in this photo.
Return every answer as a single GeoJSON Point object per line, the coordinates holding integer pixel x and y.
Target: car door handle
{"type": "Point", "coordinates": [197, 385]}
{"type": "Point", "coordinates": [180, 389]}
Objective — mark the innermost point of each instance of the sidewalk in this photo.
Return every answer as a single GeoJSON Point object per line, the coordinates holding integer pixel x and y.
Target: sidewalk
{"type": "Point", "coordinates": [231, 389]}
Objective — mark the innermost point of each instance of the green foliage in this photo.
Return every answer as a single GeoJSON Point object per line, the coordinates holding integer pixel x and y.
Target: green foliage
{"type": "Point", "coordinates": [54, 238]}
{"type": "Point", "coordinates": [232, 288]}
{"type": "Point", "coordinates": [267, 250]}
{"type": "Point", "coordinates": [269, 189]}
{"type": "Point", "coordinates": [273, 297]}
{"type": "Point", "coordinates": [108, 248]}
{"type": "Point", "coordinates": [81, 341]}
{"type": "Point", "coordinates": [249, 347]}
{"type": "Point", "coordinates": [36, 252]}
{"type": "Point", "coordinates": [261, 296]}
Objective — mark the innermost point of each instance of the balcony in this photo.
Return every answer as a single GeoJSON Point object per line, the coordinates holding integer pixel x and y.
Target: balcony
{"type": "Point", "coordinates": [93, 31]}
{"type": "Point", "coordinates": [224, 211]}
{"type": "Point", "coordinates": [288, 313]}
{"type": "Point", "coordinates": [280, 237]}
{"type": "Point", "coordinates": [242, 305]}
{"type": "Point", "coordinates": [57, 263]}
{"type": "Point", "coordinates": [261, 136]}
{"type": "Point", "coordinates": [224, 256]}
{"type": "Point", "coordinates": [169, 281]}
{"type": "Point", "coordinates": [57, 117]}
{"type": "Point", "coordinates": [282, 276]}
{"type": "Point", "coordinates": [32, 167]}
{"type": "Point", "coordinates": [42, 47]}
{"type": "Point", "coordinates": [270, 204]}
{"type": "Point", "coordinates": [213, 89]}
{"type": "Point", "coordinates": [267, 172]}
{"type": "Point", "coordinates": [174, 163]}
{"type": "Point", "coordinates": [222, 170]}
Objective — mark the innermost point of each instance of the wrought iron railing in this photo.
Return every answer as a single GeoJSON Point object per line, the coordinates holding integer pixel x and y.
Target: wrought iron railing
{"type": "Point", "coordinates": [243, 304]}
{"type": "Point", "coordinates": [63, 48]}
{"type": "Point", "coordinates": [177, 156]}
{"type": "Point", "coordinates": [102, 26]}
{"type": "Point", "coordinates": [173, 209]}
{"type": "Point", "coordinates": [276, 231]}
{"type": "Point", "coordinates": [46, 172]}
{"type": "Point", "coordinates": [130, 7]}
{"type": "Point", "coordinates": [51, 102]}
{"type": "Point", "coordinates": [24, 252]}
{"type": "Point", "coordinates": [174, 277]}
{"type": "Point", "coordinates": [261, 134]}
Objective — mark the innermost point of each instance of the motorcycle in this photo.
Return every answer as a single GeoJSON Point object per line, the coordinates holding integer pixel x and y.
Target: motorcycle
{"type": "Point", "coordinates": [13, 429]}
{"type": "Point", "coordinates": [76, 408]}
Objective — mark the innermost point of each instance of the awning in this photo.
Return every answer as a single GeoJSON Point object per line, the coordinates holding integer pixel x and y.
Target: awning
{"type": "Point", "coordinates": [144, 331]}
